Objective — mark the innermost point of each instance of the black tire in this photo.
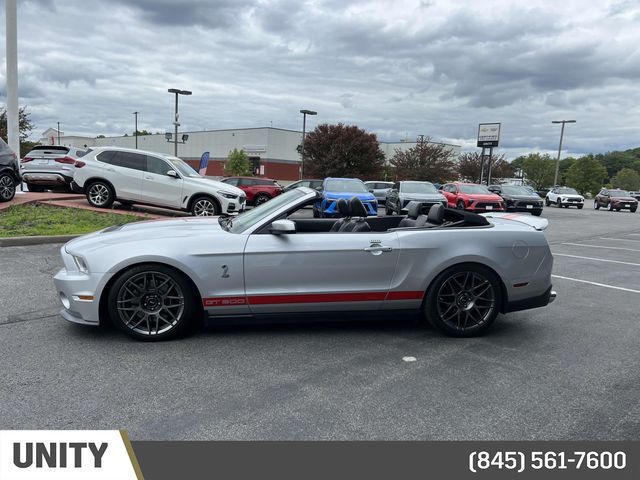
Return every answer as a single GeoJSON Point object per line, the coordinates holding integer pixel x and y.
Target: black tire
{"type": "Point", "coordinates": [100, 194]}
{"type": "Point", "coordinates": [7, 187]}
{"type": "Point", "coordinates": [546, 202]}
{"type": "Point", "coordinates": [536, 213]}
{"type": "Point", "coordinates": [460, 205]}
{"type": "Point", "coordinates": [558, 203]}
{"type": "Point", "coordinates": [596, 205]}
{"type": "Point", "coordinates": [176, 306]}
{"type": "Point", "coordinates": [579, 206]}
{"type": "Point", "coordinates": [610, 207]}
{"type": "Point", "coordinates": [260, 199]}
{"type": "Point", "coordinates": [451, 303]}
{"type": "Point", "coordinates": [34, 188]}
{"type": "Point", "coordinates": [633, 210]}
{"type": "Point", "coordinates": [204, 206]}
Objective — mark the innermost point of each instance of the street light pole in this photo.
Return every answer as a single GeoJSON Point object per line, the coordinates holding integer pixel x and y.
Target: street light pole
{"type": "Point", "coordinates": [175, 122]}
{"type": "Point", "coordinates": [58, 133]}
{"type": "Point", "coordinates": [135, 132]}
{"type": "Point", "coordinates": [555, 178]}
{"type": "Point", "coordinates": [13, 122]}
{"type": "Point", "coordinates": [304, 126]}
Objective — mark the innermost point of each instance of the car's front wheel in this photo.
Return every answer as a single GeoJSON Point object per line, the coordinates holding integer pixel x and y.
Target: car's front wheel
{"type": "Point", "coordinates": [464, 300]}
{"type": "Point", "coordinates": [260, 199]}
{"type": "Point", "coordinates": [204, 207]}
{"type": "Point", "coordinates": [460, 205]}
{"type": "Point", "coordinates": [152, 302]}
{"type": "Point", "coordinates": [547, 202]}
{"type": "Point", "coordinates": [7, 187]}
{"type": "Point", "coordinates": [100, 194]}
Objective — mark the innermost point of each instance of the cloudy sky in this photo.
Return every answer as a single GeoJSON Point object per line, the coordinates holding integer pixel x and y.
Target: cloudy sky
{"type": "Point", "coordinates": [398, 68]}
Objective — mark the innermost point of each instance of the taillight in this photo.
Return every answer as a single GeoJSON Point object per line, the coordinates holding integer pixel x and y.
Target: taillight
{"type": "Point", "coordinates": [26, 160]}
{"type": "Point", "coordinates": [79, 164]}
{"type": "Point", "coordinates": [67, 160]}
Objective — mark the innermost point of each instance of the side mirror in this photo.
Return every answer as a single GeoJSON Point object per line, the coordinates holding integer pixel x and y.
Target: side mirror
{"type": "Point", "coordinates": [280, 227]}
{"type": "Point", "coordinates": [172, 174]}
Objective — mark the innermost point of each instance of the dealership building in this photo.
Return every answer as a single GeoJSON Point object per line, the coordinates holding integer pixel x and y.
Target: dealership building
{"type": "Point", "coordinates": [272, 151]}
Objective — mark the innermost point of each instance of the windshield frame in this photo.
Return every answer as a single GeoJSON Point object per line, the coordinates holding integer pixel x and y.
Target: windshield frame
{"type": "Point", "coordinates": [428, 185]}
{"type": "Point", "coordinates": [270, 211]}
{"type": "Point", "coordinates": [183, 168]}
{"type": "Point", "coordinates": [485, 192]}
{"type": "Point", "coordinates": [346, 180]}
{"type": "Point", "coordinates": [563, 191]}
{"type": "Point", "coordinates": [621, 194]}
{"type": "Point", "coordinates": [523, 190]}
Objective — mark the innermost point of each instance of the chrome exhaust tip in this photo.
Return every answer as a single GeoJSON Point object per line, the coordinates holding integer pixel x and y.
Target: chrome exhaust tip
{"type": "Point", "coordinates": [552, 296]}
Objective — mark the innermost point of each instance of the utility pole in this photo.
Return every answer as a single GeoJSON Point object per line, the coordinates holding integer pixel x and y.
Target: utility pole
{"type": "Point", "coordinates": [58, 133]}
{"type": "Point", "coordinates": [176, 123]}
{"type": "Point", "coordinates": [135, 132]}
{"type": "Point", "coordinates": [13, 122]}
{"type": "Point", "coordinates": [304, 126]}
{"type": "Point", "coordinates": [555, 178]}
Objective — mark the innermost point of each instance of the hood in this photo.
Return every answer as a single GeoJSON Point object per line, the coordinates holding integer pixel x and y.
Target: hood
{"type": "Point", "coordinates": [484, 197]}
{"type": "Point", "coordinates": [214, 184]}
{"type": "Point", "coordinates": [570, 195]}
{"type": "Point", "coordinates": [624, 199]}
{"type": "Point", "coordinates": [530, 198]}
{"type": "Point", "coordinates": [366, 196]}
{"type": "Point", "coordinates": [144, 231]}
{"type": "Point", "coordinates": [437, 197]}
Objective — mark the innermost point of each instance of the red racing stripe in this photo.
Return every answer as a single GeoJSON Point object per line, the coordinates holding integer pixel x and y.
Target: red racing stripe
{"type": "Point", "coordinates": [312, 298]}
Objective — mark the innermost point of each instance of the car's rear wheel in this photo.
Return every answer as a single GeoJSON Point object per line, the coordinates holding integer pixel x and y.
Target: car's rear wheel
{"type": "Point", "coordinates": [464, 300]}
{"type": "Point", "coordinates": [34, 188]}
{"type": "Point", "coordinates": [152, 302]}
{"type": "Point", "coordinates": [100, 194]}
{"type": "Point", "coordinates": [204, 207]}
{"type": "Point", "coordinates": [7, 187]}
{"type": "Point", "coordinates": [260, 199]}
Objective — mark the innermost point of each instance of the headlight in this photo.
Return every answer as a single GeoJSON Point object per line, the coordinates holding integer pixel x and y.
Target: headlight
{"type": "Point", "coordinates": [81, 264]}
{"type": "Point", "coordinates": [227, 194]}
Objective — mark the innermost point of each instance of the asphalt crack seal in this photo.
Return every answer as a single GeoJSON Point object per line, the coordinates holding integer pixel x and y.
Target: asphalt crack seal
{"type": "Point", "coordinates": [32, 315]}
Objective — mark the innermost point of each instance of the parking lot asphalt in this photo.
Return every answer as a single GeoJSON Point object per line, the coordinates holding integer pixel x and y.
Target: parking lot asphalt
{"type": "Point", "coordinates": [567, 371]}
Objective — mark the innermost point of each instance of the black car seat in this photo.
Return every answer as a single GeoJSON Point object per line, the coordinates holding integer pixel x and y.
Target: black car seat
{"type": "Point", "coordinates": [414, 209]}
{"type": "Point", "coordinates": [435, 216]}
{"type": "Point", "coordinates": [343, 209]}
{"type": "Point", "coordinates": [357, 222]}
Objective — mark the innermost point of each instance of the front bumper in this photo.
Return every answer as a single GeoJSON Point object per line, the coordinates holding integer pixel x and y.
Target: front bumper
{"type": "Point", "coordinates": [79, 294]}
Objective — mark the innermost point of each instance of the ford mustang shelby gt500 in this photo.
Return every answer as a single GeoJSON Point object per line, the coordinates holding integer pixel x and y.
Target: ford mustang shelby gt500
{"type": "Point", "coordinates": [156, 279]}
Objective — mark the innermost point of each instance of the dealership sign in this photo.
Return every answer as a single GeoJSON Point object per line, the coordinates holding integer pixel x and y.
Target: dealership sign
{"type": "Point", "coordinates": [488, 134]}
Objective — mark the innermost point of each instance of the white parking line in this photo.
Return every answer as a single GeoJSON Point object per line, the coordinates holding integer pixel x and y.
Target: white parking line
{"type": "Point", "coordinates": [597, 284]}
{"type": "Point", "coordinates": [620, 239]}
{"type": "Point", "coordinates": [596, 259]}
{"type": "Point", "coordinates": [603, 246]}
{"type": "Point", "coordinates": [634, 234]}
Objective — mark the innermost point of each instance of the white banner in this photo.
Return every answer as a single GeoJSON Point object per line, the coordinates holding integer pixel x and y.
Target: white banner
{"type": "Point", "coordinates": [67, 455]}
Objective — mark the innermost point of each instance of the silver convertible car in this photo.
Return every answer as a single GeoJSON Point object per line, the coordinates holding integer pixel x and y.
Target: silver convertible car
{"type": "Point", "coordinates": [155, 280]}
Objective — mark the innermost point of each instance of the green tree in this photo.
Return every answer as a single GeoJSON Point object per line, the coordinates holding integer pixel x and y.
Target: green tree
{"type": "Point", "coordinates": [434, 162]}
{"type": "Point", "coordinates": [538, 168]}
{"type": "Point", "coordinates": [237, 163]}
{"type": "Point", "coordinates": [25, 126]}
{"type": "Point", "coordinates": [468, 166]}
{"type": "Point", "coordinates": [142, 133]}
{"type": "Point", "coordinates": [586, 175]}
{"type": "Point", "coordinates": [342, 151]}
{"type": "Point", "coordinates": [627, 179]}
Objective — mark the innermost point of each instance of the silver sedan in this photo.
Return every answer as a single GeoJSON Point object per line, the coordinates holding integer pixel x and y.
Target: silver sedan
{"type": "Point", "coordinates": [155, 280]}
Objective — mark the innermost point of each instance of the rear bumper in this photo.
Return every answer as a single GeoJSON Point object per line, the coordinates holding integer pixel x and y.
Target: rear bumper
{"type": "Point", "coordinates": [45, 178]}
{"type": "Point", "coordinates": [543, 300]}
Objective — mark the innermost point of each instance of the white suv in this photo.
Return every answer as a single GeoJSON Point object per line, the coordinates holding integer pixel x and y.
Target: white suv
{"type": "Point", "coordinates": [106, 174]}
{"type": "Point", "coordinates": [564, 197]}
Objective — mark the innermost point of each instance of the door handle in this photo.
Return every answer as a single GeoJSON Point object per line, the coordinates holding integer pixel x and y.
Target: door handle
{"type": "Point", "coordinates": [378, 248]}
{"type": "Point", "coordinates": [111, 169]}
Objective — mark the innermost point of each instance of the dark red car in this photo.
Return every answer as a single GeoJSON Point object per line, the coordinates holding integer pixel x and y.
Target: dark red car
{"type": "Point", "coordinates": [471, 196]}
{"type": "Point", "coordinates": [258, 190]}
{"type": "Point", "coordinates": [615, 199]}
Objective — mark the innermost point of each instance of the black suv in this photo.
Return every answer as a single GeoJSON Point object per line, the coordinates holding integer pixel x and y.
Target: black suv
{"type": "Point", "coordinates": [9, 172]}
{"type": "Point", "coordinates": [518, 198]}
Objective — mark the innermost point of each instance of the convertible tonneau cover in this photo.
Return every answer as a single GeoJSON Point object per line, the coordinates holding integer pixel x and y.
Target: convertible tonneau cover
{"type": "Point", "coordinates": [527, 219]}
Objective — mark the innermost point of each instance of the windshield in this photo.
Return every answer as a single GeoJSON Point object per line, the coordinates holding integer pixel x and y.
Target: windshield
{"type": "Point", "coordinates": [512, 190]}
{"type": "Point", "coordinates": [183, 167]}
{"type": "Point", "coordinates": [619, 193]}
{"type": "Point", "coordinates": [570, 191]}
{"type": "Point", "coordinates": [341, 185]}
{"type": "Point", "coordinates": [251, 217]}
{"type": "Point", "coordinates": [479, 189]}
{"type": "Point", "coordinates": [417, 187]}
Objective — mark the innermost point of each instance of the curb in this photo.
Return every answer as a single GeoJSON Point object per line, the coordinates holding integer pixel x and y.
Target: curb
{"type": "Point", "coordinates": [36, 240]}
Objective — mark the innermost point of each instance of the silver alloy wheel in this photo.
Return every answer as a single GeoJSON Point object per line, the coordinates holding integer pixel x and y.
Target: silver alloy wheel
{"type": "Point", "coordinates": [204, 208]}
{"type": "Point", "coordinates": [466, 300]}
{"type": "Point", "coordinates": [260, 199]}
{"type": "Point", "coordinates": [99, 194]}
{"type": "Point", "coordinates": [150, 303]}
{"type": "Point", "coordinates": [7, 187]}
